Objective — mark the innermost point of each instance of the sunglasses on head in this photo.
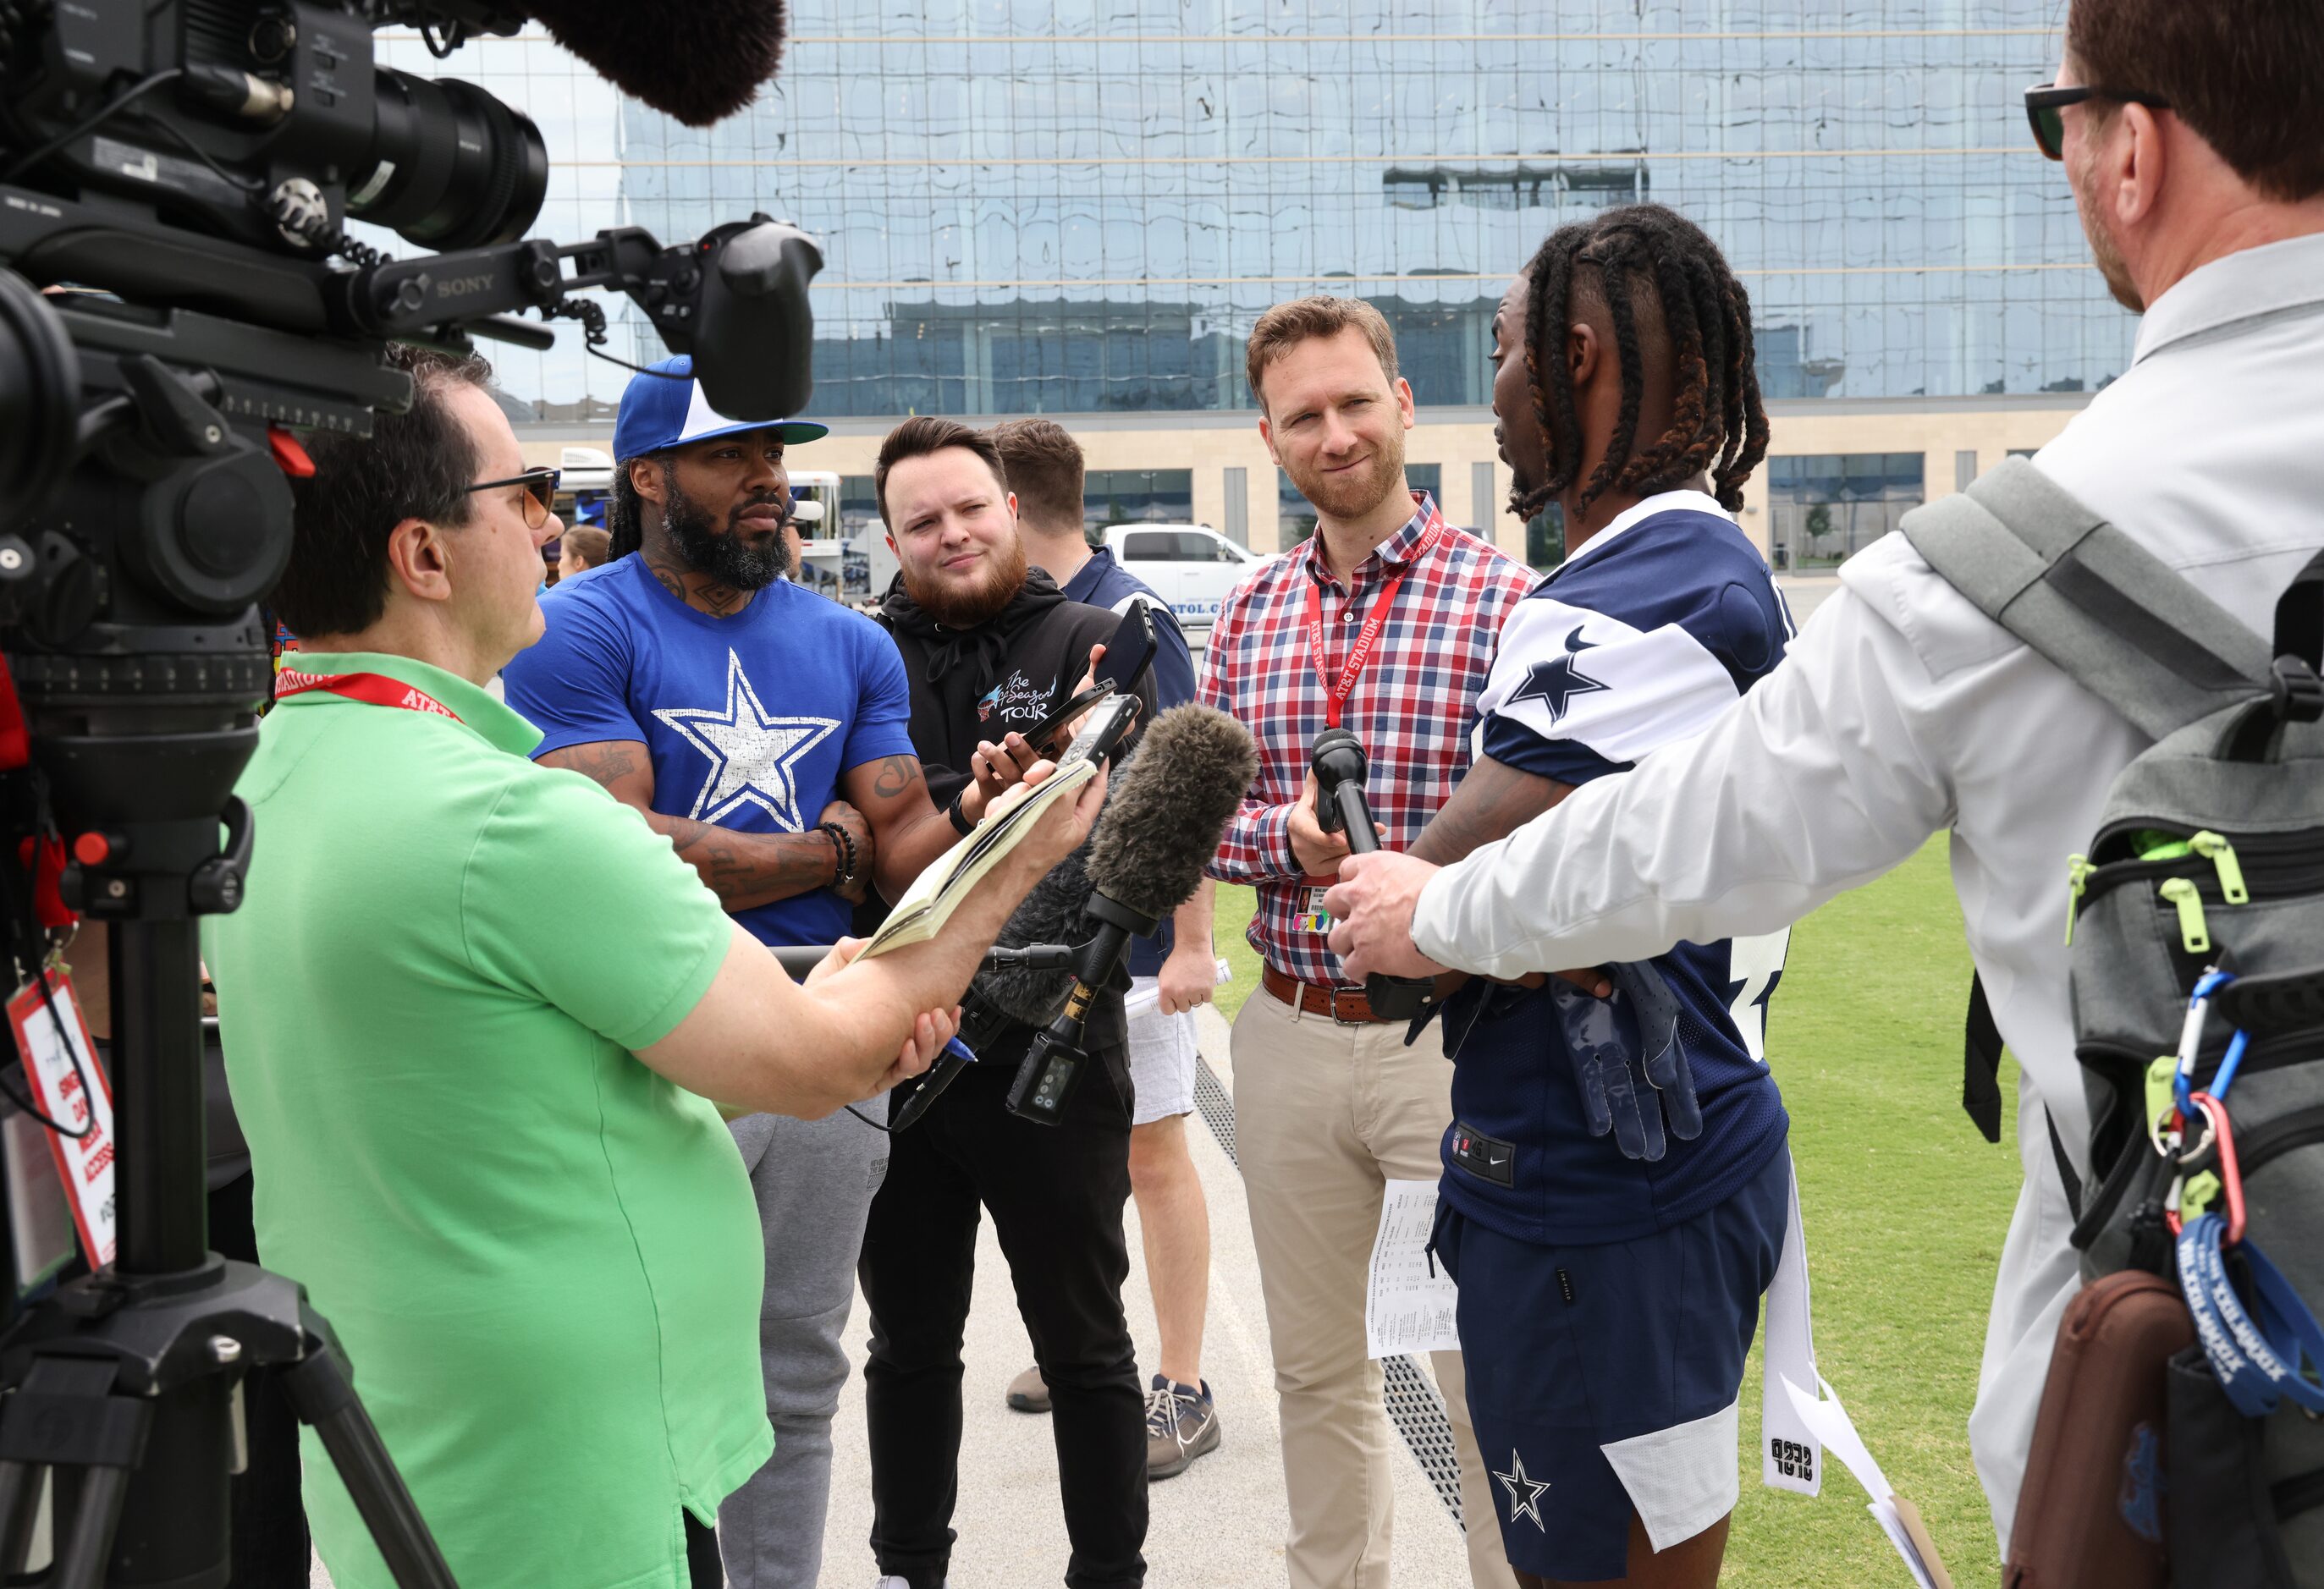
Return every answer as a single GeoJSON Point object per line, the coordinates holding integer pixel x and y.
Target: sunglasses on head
{"type": "Point", "coordinates": [540, 492]}
{"type": "Point", "coordinates": [2045, 102]}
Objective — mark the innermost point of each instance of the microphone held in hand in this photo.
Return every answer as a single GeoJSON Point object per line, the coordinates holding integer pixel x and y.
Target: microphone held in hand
{"type": "Point", "coordinates": [1338, 760]}
{"type": "Point", "coordinates": [1167, 811]}
{"type": "Point", "coordinates": [1162, 823]}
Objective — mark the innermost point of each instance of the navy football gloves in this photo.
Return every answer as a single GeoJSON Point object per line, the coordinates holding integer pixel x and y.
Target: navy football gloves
{"type": "Point", "coordinates": [1632, 1071]}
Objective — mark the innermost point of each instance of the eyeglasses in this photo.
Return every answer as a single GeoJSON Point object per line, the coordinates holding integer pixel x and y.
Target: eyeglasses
{"type": "Point", "coordinates": [540, 492]}
{"type": "Point", "coordinates": [2045, 101]}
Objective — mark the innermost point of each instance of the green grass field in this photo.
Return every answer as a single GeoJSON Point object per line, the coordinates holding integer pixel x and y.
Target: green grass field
{"type": "Point", "coordinates": [1904, 1206]}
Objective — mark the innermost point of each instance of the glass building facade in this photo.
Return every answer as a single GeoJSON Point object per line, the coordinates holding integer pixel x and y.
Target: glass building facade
{"type": "Point", "coordinates": [1081, 205]}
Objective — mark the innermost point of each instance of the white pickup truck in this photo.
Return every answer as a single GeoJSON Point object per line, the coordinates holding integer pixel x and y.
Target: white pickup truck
{"type": "Point", "coordinates": [1191, 566]}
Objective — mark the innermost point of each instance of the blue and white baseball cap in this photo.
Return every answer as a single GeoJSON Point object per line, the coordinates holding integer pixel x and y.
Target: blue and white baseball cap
{"type": "Point", "coordinates": [658, 412]}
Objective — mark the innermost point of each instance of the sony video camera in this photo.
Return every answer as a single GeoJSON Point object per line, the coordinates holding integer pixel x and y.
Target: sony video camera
{"type": "Point", "coordinates": [179, 301]}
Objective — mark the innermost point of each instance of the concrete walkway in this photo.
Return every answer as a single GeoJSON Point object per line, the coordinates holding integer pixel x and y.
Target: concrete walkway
{"type": "Point", "coordinates": [1220, 1523]}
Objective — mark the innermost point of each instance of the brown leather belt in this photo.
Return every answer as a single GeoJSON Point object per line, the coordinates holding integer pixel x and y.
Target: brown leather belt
{"type": "Point", "coordinates": [1346, 1006]}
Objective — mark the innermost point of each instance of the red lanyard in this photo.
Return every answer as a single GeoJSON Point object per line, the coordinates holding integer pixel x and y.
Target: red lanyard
{"type": "Point", "coordinates": [1335, 694]}
{"type": "Point", "coordinates": [373, 689]}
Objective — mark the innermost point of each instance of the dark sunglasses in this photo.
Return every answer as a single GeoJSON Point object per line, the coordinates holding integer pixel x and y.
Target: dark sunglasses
{"type": "Point", "coordinates": [2045, 101]}
{"type": "Point", "coordinates": [540, 492]}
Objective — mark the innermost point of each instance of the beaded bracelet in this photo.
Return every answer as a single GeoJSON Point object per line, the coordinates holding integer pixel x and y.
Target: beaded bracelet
{"type": "Point", "coordinates": [843, 847]}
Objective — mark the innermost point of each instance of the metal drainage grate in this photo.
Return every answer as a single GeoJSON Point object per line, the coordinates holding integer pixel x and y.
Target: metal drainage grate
{"type": "Point", "coordinates": [1414, 1407]}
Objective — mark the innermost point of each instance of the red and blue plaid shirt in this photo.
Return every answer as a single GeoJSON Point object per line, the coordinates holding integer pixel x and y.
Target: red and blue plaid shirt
{"type": "Point", "coordinates": [1413, 706]}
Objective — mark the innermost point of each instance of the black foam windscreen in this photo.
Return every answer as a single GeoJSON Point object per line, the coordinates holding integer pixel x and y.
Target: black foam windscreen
{"type": "Point", "coordinates": [1169, 807]}
{"type": "Point", "coordinates": [1050, 913]}
{"type": "Point", "coordinates": [699, 62]}
{"type": "Point", "coordinates": [1165, 814]}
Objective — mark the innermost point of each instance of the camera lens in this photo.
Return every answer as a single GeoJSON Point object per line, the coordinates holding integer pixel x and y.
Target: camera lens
{"type": "Point", "coordinates": [455, 167]}
{"type": "Point", "coordinates": [40, 398]}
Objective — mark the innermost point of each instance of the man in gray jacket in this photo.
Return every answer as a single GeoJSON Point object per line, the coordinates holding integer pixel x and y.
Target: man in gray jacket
{"type": "Point", "coordinates": [1901, 709]}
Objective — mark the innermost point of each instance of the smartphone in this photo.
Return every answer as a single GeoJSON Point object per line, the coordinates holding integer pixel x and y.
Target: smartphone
{"type": "Point", "coordinates": [1129, 658]}
{"type": "Point", "coordinates": [1109, 724]}
{"type": "Point", "coordinates": [1129, 654]}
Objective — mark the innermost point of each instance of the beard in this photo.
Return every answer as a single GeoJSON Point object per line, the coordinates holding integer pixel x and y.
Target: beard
{"type": "Point", "coordinates": [723, 555]}
{"type": "Point", "coordinates": [957, 606]}
{"type": "Point", "coordinates": [2104, 253]}
{"type": "Point", "coordinates": [1356, 492]}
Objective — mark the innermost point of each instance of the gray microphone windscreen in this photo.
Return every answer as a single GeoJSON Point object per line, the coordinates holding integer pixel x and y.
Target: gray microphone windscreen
{"type": "Point", "coordinates": [1169, 806]}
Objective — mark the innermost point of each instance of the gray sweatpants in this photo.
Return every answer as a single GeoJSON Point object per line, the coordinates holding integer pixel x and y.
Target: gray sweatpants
{"type": "Point", "coordinates": [814, 1181]}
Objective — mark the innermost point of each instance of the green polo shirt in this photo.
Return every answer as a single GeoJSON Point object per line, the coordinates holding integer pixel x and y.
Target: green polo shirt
{"type": "Point", "coordinates": [542, 1258]}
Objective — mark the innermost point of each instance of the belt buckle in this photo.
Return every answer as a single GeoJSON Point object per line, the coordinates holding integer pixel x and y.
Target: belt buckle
{"type": "Point", "coordinates": [1338, 1018]}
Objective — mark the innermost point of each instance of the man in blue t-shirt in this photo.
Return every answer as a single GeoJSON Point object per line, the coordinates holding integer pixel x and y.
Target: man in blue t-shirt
{"type": "Point", "coordinates": [1176, 965]}
{"type": "Point", "coordinates": [764, 730]}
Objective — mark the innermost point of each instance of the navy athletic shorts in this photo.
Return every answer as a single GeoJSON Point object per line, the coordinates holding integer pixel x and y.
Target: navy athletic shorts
{"type": "Point", "coordinates": [1604, 1379]}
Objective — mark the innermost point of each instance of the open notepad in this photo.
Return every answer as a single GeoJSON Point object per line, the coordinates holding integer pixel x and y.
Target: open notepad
{"type": "Point", "coordinates": [938, 890]}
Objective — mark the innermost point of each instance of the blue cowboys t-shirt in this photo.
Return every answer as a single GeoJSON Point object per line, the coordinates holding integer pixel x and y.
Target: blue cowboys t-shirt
{"type": "Point", "coordinates": [751, 721]}
{"type": "Point", "coordinates": [1659, 624]}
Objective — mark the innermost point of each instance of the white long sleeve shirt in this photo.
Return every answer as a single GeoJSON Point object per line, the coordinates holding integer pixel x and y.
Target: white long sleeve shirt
{"type": "Point", "coordinates": [1902, 710]}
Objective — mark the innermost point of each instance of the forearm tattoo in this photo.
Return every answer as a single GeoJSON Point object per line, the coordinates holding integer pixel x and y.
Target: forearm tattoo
{"type": "Point", "coordinates": [1493, 801]}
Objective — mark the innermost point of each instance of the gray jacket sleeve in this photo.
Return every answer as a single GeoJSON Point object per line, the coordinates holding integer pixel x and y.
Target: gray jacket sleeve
{"type": "Point", "coordinates": [1833, 769]}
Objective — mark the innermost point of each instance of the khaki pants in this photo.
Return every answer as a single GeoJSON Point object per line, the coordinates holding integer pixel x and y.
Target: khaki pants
{"type": "Point", "coordinates": [1324, 1114]}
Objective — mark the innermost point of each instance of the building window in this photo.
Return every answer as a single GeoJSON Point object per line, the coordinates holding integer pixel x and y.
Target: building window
{"type": "Point", "coordinates": [859, 507]}
{"type": "Point", "coordinates": [1429, 478]}
{"type": "Point", "coordinates": [1136, 496]}
{"type": "Point", "coordinates": [1826, 507]}
{"type": "Point", "coordinates": [1546, 537]}
{"type": "Point", "coordinates": [1295, 516]}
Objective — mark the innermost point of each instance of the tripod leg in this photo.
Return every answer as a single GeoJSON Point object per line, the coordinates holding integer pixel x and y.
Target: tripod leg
{"type": "Point", "coordinates": [19, 1510]}
{"type": "Point", "coordinates": [325, 1399]}
{"type": "Point", "coordinates": [81, 1563]}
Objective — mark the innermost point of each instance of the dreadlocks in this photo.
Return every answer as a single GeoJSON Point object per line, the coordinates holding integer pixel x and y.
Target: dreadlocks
{"type": "Point", "coordinates": [624, 515]}
{"type": "Point", "coordinates": [1718, 423]}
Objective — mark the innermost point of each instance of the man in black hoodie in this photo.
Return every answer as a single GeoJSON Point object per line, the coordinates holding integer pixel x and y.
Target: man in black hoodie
{"type": "Point", "coordinates": [991, 648]}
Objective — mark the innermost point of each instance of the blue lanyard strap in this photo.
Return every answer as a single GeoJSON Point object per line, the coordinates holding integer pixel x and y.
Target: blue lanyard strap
{"type": "Point", "coordinates": [2273, 1349]}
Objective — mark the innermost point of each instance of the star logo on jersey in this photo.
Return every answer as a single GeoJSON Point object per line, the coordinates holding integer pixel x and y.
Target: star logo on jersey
{"type": "Point", "coordinates": [751, 753]}
{"type": "Point", "coordinates": [1527, 1504]}
{"type": "Point", "coordinates": [1556, 683]}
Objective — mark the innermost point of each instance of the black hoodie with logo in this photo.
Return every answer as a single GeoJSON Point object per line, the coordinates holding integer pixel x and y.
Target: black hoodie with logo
{"type": "Point", "coordinates": [1002, 676]}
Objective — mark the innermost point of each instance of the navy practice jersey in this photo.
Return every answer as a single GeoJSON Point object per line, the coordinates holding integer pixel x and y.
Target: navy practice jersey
{"type": "Point", "coordinates": [1657, 626]}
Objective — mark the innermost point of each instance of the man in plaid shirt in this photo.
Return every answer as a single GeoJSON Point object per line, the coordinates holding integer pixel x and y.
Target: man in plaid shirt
{"type": "Point", "coordinates": [1329, 1102]}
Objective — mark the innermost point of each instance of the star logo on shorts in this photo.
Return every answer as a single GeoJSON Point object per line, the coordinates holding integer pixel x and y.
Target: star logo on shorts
{"type": "Point", "coordinates": [1530, 1503]}
{"type": "Point", "coordinates": [750, 753]}
{"type": "Point", "coordinates": [1556, 683]}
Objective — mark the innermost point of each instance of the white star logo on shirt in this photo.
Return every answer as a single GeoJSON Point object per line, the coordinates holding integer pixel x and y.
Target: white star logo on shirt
{"type": "Point", "coordinates": [1529, 1505]}
{"type": "Point", "coordinates": [750, 753]}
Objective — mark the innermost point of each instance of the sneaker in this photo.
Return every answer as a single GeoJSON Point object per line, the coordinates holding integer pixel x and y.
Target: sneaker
{"type": "Point", "coordinates": [1181, 1424]}
{"type": "Point", "coordinates": [892, 1582]}
{"type": "Point", "coordinates": [1029, 1393]}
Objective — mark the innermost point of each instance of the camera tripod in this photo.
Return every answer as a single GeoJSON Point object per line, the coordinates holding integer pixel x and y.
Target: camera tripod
{"type": "Point", "coordinates": [124, 1389]}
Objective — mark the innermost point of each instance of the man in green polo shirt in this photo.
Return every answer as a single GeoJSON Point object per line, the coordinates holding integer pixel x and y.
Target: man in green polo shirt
{"type": "Point", "coordinates": [473, 1008]}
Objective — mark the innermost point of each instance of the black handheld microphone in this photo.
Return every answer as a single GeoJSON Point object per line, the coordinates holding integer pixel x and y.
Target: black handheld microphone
{"type": "Point", "coordinates": [1169, 807]}
{"type": "Point", "coordinates": [1341, 767]}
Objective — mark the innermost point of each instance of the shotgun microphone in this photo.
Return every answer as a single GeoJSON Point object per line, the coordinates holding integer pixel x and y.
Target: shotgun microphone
{"type": "Point", "coordinates": [698, 60]}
